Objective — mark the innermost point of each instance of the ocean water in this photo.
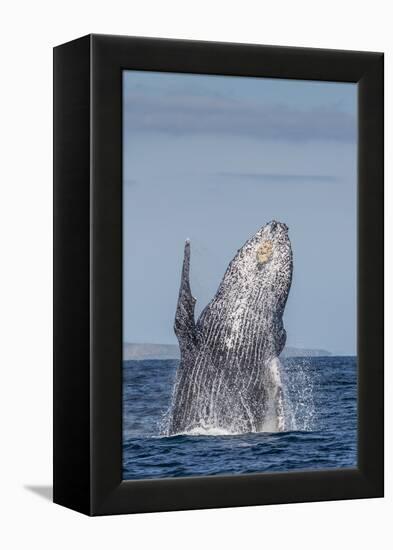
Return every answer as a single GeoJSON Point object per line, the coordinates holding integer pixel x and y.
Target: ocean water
{"type": "Point", "coordinates": [320, 408]}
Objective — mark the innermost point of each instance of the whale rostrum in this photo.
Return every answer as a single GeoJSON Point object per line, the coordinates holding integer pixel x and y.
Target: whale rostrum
{"type": "Point", "coordinates": [229, 377]}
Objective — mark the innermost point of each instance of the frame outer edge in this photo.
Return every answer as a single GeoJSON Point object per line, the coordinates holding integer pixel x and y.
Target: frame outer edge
{"type": "Point", "coordinates": [109, 494]}
{"type": "Point", "coordinates": [71, 315]}
{"type": "Point", "coordinates": [371, 275]}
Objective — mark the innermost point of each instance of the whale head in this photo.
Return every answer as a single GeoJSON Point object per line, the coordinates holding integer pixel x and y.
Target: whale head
{"type": "Point", "coordinates": [262, 267]}
{"type": "Point", "coordinates": [254, 290]}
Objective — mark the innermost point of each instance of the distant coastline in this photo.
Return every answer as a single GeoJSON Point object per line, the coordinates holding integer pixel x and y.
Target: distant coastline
{"type": "Point", "coordinates": [138, 352]}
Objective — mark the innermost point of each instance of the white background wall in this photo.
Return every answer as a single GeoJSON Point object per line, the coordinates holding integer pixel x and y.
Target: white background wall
{"type": "Point", "coordinates": [28, 32]}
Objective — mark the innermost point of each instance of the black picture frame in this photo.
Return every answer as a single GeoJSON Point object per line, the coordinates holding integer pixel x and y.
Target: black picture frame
{"type": "Point", "coordinates": [88, 274]}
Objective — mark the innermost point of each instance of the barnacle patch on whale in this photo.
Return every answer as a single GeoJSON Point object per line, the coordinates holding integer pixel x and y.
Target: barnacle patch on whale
{"type": "Point", "coordinates": [265, 251]}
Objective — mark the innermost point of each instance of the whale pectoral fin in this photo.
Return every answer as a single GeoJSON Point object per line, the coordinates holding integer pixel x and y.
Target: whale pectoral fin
{"type": "Point", "coordinates": [281, 340]}
{"type": "Point", "coordinates": [276, 393]}
{"type": "Point", "coordinates": [184, 319]}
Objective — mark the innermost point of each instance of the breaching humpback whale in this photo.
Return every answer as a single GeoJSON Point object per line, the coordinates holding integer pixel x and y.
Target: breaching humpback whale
{"type": "Point", "coordinates": [228, 377]}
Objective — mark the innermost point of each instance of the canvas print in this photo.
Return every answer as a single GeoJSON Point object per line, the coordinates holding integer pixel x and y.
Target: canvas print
{"type": "Point", "coordinates": [239, 275]}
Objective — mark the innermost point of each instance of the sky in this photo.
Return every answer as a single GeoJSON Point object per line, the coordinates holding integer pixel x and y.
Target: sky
{"type": "Point", "coordinates": [214, 158]}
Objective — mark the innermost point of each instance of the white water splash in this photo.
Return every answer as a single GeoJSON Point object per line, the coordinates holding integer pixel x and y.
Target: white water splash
{"type": "Point", "coordinates": [209, 431]}
{"type": "Point", "coordinates": [299, 391]}
{"type": "Point", "coordinates": [290, 403]}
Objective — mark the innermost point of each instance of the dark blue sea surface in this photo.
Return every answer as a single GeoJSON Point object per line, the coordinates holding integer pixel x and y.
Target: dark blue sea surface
{"type": "Point", "coordinates": [321, 404]}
